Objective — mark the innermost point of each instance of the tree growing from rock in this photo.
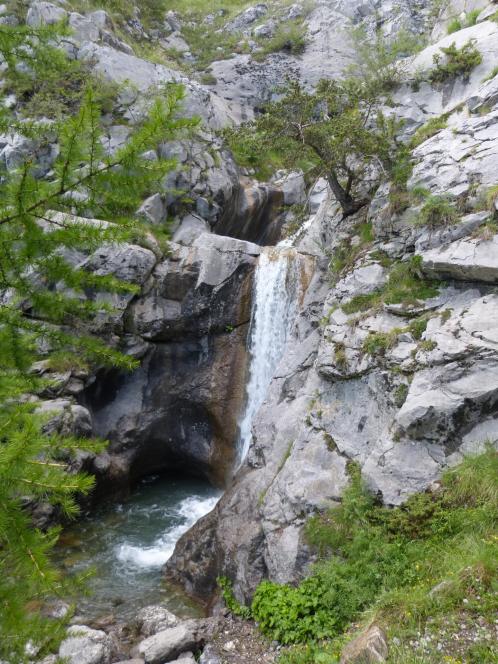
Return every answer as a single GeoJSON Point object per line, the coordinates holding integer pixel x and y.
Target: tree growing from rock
{"type": "Point", "coordinates": [338, 132]}
{"type": "Point", "coordinates": [45, 303]}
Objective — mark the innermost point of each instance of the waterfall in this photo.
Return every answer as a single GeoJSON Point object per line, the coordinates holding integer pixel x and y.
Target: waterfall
{"type": "Point", "coordinates": [276, 292]}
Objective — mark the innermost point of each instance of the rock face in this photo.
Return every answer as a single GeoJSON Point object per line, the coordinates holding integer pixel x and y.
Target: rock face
{"type": "Point", "coordinates": [179, 409]}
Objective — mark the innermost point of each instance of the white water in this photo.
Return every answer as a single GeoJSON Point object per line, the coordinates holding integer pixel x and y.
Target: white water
{"type": "Point", "coordinates": [188, 512]}
{"type": "Point", "coordinates": [276, 292]}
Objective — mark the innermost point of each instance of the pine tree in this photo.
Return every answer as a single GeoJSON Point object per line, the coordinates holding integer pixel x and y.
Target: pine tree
{"type": "Point", "coordinates": [44, 303]}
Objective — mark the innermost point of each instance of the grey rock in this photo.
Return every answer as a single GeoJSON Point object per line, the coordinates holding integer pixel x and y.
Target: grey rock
{"type": "Point", "coordinates": [265, 31]}
{"type": "Point", "coordinates": [247, 17]}
{"type": "Point", "coordinates": [367, 648]}
{"type": "Point", "coordinates": [176, 42]}
{"type": "Point", "coordinates": [153, 209]}
{"type": "Point", "coordinates": [465, 226]}
{"type": "Point", "coordinates": [189, 230]}
{"type": "Point", "coordinates": [83, 28]}
{"type": "Point", "coordinates": [209, 656]}
{"type": "Point", "coordinates": [44, 13]}
{"type": "Point", "coordinates": [153, 619]}
{"type": "Point", "coordinates": [86, 646]}
{"type": "Point", "coordinates": [170, 643]}
{"type": "Point", "coordinates": [127, 262]}
{"type": "Point", "coordinates": [292, 186]}
{"type": "Point", "coordinates": [467, 259]}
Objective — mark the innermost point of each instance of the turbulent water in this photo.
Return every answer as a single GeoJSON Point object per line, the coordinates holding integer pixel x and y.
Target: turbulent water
{"type": "Point", "coordinates": [127, 544]}
{"type": "Point", "coordinates": [276, 291]}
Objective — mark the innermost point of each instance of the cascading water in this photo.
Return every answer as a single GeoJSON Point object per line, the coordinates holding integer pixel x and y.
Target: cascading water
{"type": "Point", "coordinates": [276, 292]}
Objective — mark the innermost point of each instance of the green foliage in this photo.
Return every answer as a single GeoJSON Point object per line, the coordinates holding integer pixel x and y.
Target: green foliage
{"type": "Point", "coordinates": [437, 211]}
{"type": "Point", "coordinates": [385, 561]}
{"type": "Point", "coordinates": [418, 326]}
{"type": "Point", "coordinates": [457, 62]}
{"type": "Point", "coordinates": [346, 254]}
{"type": "Point", "coordinates": [491, 75]}
{"type": "Point", "coordinates": [51, 85]}
{"type": "Point", "coordinates": [400, 394]}
{"type": "Point", "coordinates": [230, 600]}
{"type": "Point", "coordinates": [428, 130]}
{"type": "Point", "coordinates": [289, 37]}
{"type": "Point", "coordinates": [405, 285]}
{"type": "Point", "coordinates": [492, 197]}
{"type": "Point", "coordinates": [378, 342]}
{"type": "Point", "coordinates": [48, 307]}
{"type": "Point", "coordinates": [454, 26]}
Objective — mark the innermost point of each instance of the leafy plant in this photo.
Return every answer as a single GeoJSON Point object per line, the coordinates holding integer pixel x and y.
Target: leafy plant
{"type": "Point", "coordinates": [457, 62]}
{"type": "Point", "coordinates": [338, 131]}
{"type": "Point", "coordinates": [230, 600]}
{"type": "Point", "coordinates": [289, 37]}
{"type": "Point", "coordinates": [383, 563]}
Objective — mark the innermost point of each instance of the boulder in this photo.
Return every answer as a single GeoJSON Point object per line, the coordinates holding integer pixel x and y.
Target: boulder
{"type": "Point", "coordinates": [465, 260]}
{"type": "Point", "coordinates": [369, 647]}
{"type": "Point", "coordinates": [86, 646]}
{"type": "Point", "coordinates": [153, 619]}
{"type": "Point", "coordinates": [170, 643]}
{"type": "Point", "coordinates": [127, 262]}
{"type": "Point", "coordinates": [44, 13]}
{"type": "Point", "coordinates": [247, 17]}
{"type": "Point", "coordinates": [209, 656]}
{"type": "Point", "coordinates": [153, 209]}
{"type": "Point", "coordinates": [189, 229]}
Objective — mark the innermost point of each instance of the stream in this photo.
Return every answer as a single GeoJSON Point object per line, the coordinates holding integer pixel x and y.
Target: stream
{"type": "Point", "coordinates": [127, 543]}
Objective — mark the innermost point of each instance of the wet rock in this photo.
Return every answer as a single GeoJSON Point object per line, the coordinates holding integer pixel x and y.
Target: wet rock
{"type": "Point", "coordinates": [367, 648]}
{"type": "Point", "coordinates": [86, 646]}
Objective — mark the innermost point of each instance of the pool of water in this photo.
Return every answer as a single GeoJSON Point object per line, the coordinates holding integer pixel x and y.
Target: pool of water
{"type": "Point", "coordinates": [127, 543]}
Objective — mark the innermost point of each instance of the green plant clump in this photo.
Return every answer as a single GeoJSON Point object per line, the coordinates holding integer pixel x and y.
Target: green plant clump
{"type": "Point", "coordinates": [429, 129]}
{"type": "Point", "coordinates": [457, 62]}
{"type": "Point", "coordinates": [384, 564]}
{"type": "Point", "coordinates": [437, 211]}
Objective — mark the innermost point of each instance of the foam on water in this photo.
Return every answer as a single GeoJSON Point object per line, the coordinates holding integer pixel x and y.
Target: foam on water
{"type": "Point", "coordinates": [189, 511]}
{"type": "Point", "coordinates": [128, 543]}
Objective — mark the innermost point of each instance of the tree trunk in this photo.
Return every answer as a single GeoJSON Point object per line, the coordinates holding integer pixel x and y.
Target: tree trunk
{"type": "Point", "coordinates": [346, 201]}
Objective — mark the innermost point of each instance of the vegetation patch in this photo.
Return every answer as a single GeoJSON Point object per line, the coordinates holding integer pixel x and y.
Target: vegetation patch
{"type": "Point", "coordinates": [437, 211]}
{"type": "Point", "coordinates": [414, 568]}
{"type": "Point", "coordinates": [456, 62]}
{"type": "Point", "coordinates": [429, 129]}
